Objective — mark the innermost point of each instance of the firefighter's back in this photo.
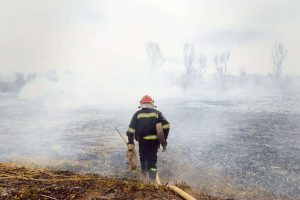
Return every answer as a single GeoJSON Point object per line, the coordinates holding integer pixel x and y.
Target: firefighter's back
{"type": "Point", "coordinates": [147, 118]}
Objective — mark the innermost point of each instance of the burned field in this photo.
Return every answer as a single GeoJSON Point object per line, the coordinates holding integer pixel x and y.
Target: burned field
{"type": "Point", "coordinates": [19, 182]}
{"type": "Point", "coordinates": [230, 149]}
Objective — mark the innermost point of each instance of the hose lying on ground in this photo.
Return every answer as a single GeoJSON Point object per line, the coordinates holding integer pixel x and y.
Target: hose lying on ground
{"type": "Point", "coordinates": [177, 190]}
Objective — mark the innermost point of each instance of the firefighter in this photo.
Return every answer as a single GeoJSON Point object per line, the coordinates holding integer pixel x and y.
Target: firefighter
{"type": "Point", "coordinates": [150, 128]}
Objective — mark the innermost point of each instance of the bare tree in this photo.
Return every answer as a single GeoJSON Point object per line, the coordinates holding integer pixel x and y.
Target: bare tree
{"type": "Point", "coordinates": [221, 61]}
{"type": "Point", "coordinates": [155, 56]}
{"type": "Point", "coordinates": [224, 58]}
{"type": "Point", "coordinates": [202, 64]}
{"type": "Point", "coordinates": [218, 64]}
{"type": "Point", "coordinates": [189, 57]}
{"type": "Point", "coordinates": [278, 54]}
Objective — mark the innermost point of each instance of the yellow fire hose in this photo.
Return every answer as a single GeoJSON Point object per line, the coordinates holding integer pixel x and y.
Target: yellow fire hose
{"type": "Point", "coordinates": [177, 190]}
{"type": "Point", "coordinates": [162, 140]}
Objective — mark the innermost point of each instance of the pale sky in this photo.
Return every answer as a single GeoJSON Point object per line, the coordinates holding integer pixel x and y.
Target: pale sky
{"type": "Point", "coordinates": [100, 36]}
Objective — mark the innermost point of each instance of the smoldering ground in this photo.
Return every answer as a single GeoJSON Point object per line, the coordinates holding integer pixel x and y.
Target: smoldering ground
{"type": "Point", "coordinates": [228, 145]}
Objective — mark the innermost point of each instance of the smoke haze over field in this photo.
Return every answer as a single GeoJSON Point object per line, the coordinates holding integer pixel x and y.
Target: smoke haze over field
{"type": "Point", "coordinates": [71, 71]}
{"type": "Point", "coordinates": [105, 37]}
{"type": "Point", "coordinates": [98, 48]}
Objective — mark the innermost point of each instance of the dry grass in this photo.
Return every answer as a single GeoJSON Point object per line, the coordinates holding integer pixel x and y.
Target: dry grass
{"type": "Point", "coordinates": [19, 182]}
{"type": "Point", "coordinates": [223, 189]}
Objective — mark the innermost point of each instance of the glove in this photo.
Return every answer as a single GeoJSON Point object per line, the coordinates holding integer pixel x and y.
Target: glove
{"type": "Point", "coordinates": [164, 146]}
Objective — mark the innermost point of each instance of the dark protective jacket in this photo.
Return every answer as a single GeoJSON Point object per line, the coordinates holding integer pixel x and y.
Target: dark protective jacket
{"type": "Point", "coordinates": [143, 125]}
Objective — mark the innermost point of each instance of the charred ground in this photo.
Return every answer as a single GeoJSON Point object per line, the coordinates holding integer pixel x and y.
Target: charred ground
{"type": "Point", "coordinates": [19, 182]}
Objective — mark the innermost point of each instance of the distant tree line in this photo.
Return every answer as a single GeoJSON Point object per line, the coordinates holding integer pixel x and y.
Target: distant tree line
{"type": "Point", "coordinates": [15, 82]}
{"type": "Point", "coordinates": [195, 65]}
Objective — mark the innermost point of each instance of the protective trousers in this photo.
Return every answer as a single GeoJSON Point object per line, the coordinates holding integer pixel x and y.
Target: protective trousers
{"type": "Point", "coordinates": [148, 156]}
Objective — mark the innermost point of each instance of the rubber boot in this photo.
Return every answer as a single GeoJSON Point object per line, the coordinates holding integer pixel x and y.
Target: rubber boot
{"type": "Point", "coordinates": [144, 177]}
{"type": "Point", "coordinates": [152, 175]}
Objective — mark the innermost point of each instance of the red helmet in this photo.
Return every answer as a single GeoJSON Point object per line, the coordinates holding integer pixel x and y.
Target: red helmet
{"type": "Point", "coordinates": [146, 99]}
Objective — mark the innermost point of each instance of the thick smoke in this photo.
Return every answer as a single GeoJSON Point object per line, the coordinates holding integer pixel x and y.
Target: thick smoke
{"type": "Point", "coordinates": [228, 138]}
